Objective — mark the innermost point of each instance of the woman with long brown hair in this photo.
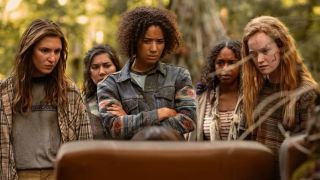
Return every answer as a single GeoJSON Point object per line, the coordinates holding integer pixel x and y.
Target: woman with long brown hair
{"type": "Point", "coordinates": [40, 107]}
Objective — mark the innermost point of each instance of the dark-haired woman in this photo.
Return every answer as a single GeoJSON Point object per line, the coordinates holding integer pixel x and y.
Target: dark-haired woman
{"type": "Point", "coordinates": [151, 93]}
{"type": "Point", "coordinates": [99, 62]}
{"type": "Point", "coordinates": [218, 94]}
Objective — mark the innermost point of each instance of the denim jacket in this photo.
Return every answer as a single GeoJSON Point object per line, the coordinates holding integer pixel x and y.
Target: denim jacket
{"type": "Point", "coordinates": [165, 86]}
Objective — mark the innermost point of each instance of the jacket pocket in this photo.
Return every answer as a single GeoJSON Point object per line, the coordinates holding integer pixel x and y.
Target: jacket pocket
{"type": "Point", "coordinates": [165, 97]}
{"type": "Point", "coordinates": [131, 106]}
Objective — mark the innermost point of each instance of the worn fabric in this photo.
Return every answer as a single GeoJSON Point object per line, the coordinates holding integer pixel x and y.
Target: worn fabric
{"type": "Point", "coordinates": [45, 174]}
{"type": "Point", "coordinates": [36, 136]}
{"type": "Point", "coordinates": [268, 133]}
{"type": "Point", "coordinates": [310, 169]}
{"type": "Point", "coordinates": [95, 119]}
{"type": "Point", "coordinates": [73, 122]}
{"type": "Point", "coordinates": [234, 128]}
{"type": "Point", "coordinates": [165, 86]}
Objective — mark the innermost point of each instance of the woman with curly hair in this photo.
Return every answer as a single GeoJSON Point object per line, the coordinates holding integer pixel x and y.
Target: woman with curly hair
{"type": "Point", "coordinates": [275, 82]}
{"type": "Point", "coordinates": [99, 62]}
{"type": "Point", "coordinates": [150, 92]}
{"type": "Point", "coordinates": [218, 94]}
{"type": "Point", "coordinates": [40, 108]}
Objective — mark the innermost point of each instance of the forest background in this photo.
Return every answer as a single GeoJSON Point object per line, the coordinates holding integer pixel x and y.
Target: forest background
{"type": "Point", "coordinates": [202, 22]}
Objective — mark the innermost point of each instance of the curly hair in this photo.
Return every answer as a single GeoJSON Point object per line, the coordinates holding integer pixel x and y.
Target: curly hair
{"type": "Point", "coordinates": [55, 86]}
{"type": "Point", "coordinates": [135, 23]}
{"type": "Point", "coordinates": [209, 81]}
{"type": "Point", "coordinates": [292, 68]}
{"type": "Point", "coordinates": [89, 87]}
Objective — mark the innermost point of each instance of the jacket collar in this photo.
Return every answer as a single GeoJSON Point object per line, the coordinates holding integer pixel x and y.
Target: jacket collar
{"type": "Point", "coordinates": [125, 71]}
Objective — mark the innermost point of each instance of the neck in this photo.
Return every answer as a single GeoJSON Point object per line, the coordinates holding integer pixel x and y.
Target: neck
{"type": "Point", "coordinates": [229, 88]}
{"type": "Point", "coordinates": [141, 68]}
{"type": "Point", "coordinates": [274, 77]}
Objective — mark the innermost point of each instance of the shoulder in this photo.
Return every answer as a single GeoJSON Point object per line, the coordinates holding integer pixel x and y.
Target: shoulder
{"type": "Point", "coordinates": [112, 78]}
{"type": "Point", "coordinates": [171, 67]}
{"type": "Point", "coordinates": [6, 84]}
{"type": "Point", "coordinates": [73, 88]}
{"type": "Point", "coordinates": [308, 96]}
{"type": "Point", "coordinates": [175, 72]}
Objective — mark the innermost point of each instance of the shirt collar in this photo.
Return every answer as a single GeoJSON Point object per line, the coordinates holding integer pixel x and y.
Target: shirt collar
{"type": "Point", "coordinates": [125, 71]}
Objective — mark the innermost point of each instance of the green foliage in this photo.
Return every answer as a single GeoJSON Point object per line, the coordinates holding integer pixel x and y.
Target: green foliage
{"type": "Point", "coordinates": [86, 23]}
{"type": "Point", "coordinates": [298, 15]}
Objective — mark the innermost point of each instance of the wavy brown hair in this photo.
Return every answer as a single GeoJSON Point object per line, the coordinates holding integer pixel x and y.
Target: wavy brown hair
{"type": "Point", "coordinates": [135, 23]}
{"type": "Point", "coordinates": [89, 87]}
{"type": "Point", "coordinates": [293, 72]}
{"type": "Point", "coordinates": [56, 84]}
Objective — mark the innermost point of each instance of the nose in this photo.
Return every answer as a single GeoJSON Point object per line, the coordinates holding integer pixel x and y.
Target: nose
{"type": "Point", "coordinates": [102, 71]}
{"type": "Point", "coordinates": [153, 47]}
{"type": "Point", "coordinates": [260, 58]}
{"type": "Point", "coordinates": [52, 57]}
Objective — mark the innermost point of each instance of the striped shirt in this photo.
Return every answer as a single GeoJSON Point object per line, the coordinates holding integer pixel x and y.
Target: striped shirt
{"type": "Point", "coordinates": [225, 118]}
{"type": "Point", "coordinates": [268, 132]}
{"type": "Point", "coordinates": [224, 125]}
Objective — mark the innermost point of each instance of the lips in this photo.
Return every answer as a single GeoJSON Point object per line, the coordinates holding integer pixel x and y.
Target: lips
{"type": "Point", "coordinates": [263, 67]}
{"type": "Point", "coordinates": [49, 66]}
{"type": "Point", "coordinates": [225, 77]}
{"type": "Point", "coordinates": [152, 57]}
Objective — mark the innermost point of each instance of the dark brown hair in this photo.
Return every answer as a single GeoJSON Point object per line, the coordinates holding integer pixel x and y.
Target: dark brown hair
{"type": "Point", "coordinates": [89, 87]}
{"type": "Point", "coordinates": [135, 23]}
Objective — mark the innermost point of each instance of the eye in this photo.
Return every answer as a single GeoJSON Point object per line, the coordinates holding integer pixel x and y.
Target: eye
{"type": "Point", "coordinates": [265, 51]}
{"type": "Point", "coordinates": [219, 63]}
{"type": "Point", "coordinates": [57, 51]}
{"type": "Point", "coordinates": [147, 41]}
{"type": "Point", "coordinates": [253, 54]}
{"type": "Point", "coordinates": [230, 62]}
{"type": "Point", "coordinates": [44, 50]}
{"type": "Point", "coordinates": [160, 41]}
{"type": "Point", "coordinates": [107, 65]}
{"type": "Point", "coordinates": [94, 66]}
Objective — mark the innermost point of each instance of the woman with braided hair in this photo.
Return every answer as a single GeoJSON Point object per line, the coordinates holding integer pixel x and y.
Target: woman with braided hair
{"type": "Point", "coordinates": [218, 94]}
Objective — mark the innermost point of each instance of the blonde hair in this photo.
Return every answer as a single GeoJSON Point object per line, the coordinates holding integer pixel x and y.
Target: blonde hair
{"type": "Point", "coordinates": [292, 69]}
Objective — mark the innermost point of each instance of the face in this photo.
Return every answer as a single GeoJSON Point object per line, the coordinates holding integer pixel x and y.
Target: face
{"type": "Point", "coordinates": [45, 55]}
{"type": "Point", "coordinates": [150, 47]}
{"type": "Point", "coordinates": [100, 67]}
{"type": "Point", "coordinates": [226, 69]}
{"type": "Point", "coordinates": [264, 52]}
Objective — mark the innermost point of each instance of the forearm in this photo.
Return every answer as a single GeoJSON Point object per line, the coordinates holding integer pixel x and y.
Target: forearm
{"type": "Point", "coordinates": [124, 127]}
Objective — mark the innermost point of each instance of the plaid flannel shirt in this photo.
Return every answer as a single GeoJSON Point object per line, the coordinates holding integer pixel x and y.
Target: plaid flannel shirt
{"type": "Point", "coordinates": [73, 122]}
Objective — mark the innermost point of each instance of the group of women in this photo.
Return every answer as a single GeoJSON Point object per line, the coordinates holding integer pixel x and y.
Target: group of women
{"type": "Point", "coordinates": [248, 90]}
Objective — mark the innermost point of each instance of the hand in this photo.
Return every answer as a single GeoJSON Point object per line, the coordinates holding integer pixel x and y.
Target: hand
{"type": "Point", "coordinates": [116, 110]}
{"type": "Point", "coordinates": [165, 113]}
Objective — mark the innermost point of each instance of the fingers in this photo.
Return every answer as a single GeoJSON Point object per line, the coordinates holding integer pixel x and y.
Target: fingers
{"type": "Point", "coordinates": [116, 110]}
